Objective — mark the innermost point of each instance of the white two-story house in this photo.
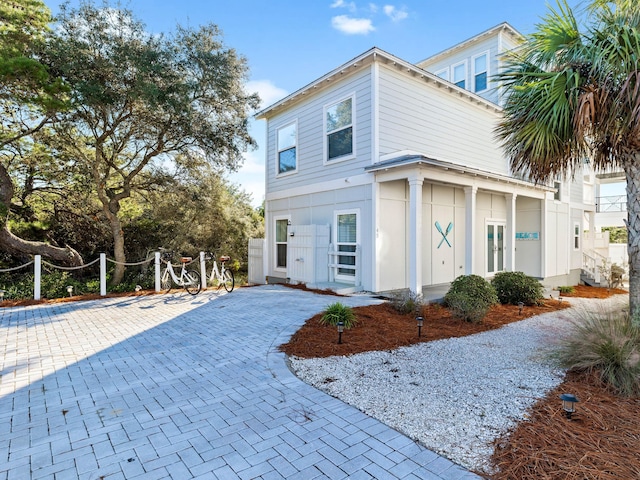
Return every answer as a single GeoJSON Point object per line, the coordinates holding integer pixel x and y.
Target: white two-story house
{"type": "Point", "coordinates": [386, 175]}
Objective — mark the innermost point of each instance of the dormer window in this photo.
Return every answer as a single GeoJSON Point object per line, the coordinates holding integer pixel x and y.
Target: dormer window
{"type": "Point", "coordinates": [460, 74]}
{"type": "Point", "coordinates": [480, 71]}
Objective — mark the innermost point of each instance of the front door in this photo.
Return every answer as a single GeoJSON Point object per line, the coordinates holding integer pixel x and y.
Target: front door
{"type": "Point", "coordinates": [495, 247]}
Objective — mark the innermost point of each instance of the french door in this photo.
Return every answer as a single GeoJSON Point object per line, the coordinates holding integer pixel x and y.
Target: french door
{"type": "Point", "coordinates": [495, 247]}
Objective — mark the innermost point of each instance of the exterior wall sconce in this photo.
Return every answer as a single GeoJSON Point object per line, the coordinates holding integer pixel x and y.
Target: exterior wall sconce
{"type": "Point", "coordinates": [420, 322]}
{"type": "Point", "coordinates": [569, 401]}
{"type": "Point", "coordinates": [292, 234]}
{"type": "Point", "coordinates": [340, 330]}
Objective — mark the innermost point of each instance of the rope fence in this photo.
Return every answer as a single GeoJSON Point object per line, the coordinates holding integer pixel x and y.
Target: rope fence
{"type": "Point", "coordinates": [37, 263]}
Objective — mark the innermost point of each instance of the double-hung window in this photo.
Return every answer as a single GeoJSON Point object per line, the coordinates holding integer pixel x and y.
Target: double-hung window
{"type": "Point", "coordinates": [460, 74]}
{"type": "Point", "coordinates": [339, 129]}
{"type": "Point", "coordinates": [287, 151]}
{"type": "Point", "coordinates": [480, 72]}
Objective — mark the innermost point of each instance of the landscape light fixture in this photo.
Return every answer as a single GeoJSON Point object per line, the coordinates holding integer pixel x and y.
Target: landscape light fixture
{"type": "Point", "coordinates": [70, 290]}
{"type": "Point", "coordinates": [1, 295]}
{"type": "Point", "coordinates": [138, 288]}
{"type": "Point", "coordinates": [340, 330]}
{"type": "Point", "coordinates": [569, 401]}
{"type": "Point", "coordinates": [420, 322]}
{"type": "Point", "coordinates": [520, 307]}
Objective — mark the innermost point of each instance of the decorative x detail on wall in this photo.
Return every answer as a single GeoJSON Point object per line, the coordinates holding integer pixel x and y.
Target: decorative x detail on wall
{"type": "Point", "coordinates": [444, 233]}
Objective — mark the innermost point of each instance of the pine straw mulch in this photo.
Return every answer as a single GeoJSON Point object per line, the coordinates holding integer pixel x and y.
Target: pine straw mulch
{"type": "Point", "coordinates": [602, 441]}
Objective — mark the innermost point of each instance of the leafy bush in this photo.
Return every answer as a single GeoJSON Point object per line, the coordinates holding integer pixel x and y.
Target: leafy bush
{"type": "Point", "coordinates": [516, 287]}
{"type": "Point", "coordinates": [470, 297]}
{"type": "Point", "coordinates": [566, 289]}
{"type": "Point", "coordinates": [605, 342]}
{"type": "Point", "coordinates": [337, 312]}
{"type": "Point", "coordinates": [406, 302]}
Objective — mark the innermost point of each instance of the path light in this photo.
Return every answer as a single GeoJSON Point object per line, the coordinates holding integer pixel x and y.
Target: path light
{"type": "Point", "coordinates": [70, 290]}
{"type": "Point", "coordinates": [1, 295]}
{"type": "Point", "coordinates": [569, 401]}
{"type": "Point", "coordinates": [520, 307]}
{"type": "Point", "coordinates": [138, 288]}
{"type": "Point", "coordinates": [340, 330]}
{"type": "Point", "coordinates": [420, 322]}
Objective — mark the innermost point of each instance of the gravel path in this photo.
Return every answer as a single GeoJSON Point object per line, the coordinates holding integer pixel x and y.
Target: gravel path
{"type": "Point", "coordinates": [454, 396]}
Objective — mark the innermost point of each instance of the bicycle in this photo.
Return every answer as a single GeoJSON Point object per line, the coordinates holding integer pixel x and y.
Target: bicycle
{"type": "Point", "coordinates": [189, 279]}
{"type": "Point", "coordinates": [223, 276]}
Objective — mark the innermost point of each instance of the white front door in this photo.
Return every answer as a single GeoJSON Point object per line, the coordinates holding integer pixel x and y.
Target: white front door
{"type": "Point", "coordinates": [495, 247]}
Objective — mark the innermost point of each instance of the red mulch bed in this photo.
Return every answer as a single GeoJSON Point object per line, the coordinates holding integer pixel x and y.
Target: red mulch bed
{"type": "Point", "coordinates": [602, 441]}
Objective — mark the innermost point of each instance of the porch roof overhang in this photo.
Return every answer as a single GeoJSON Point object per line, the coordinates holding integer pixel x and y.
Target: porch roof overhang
{"type": "Point", "coordinates": [412, 161]}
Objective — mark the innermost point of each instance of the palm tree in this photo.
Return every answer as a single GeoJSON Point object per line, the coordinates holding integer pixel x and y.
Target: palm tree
{"type": "Point", "coordinates": [573, 95]}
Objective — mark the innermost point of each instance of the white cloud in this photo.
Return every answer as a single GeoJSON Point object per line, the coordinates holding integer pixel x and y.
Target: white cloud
{"type": "Point", "coordinates": [342, 4]}
{"type": "Point", "coordinates": [352, 26]}
{"type": "Point", "coordinates": [268, 92]}
{"type": "Point", "coordinates": [395, 14]}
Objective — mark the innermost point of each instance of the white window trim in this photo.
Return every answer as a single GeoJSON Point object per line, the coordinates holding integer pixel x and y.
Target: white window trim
{"type": "Point", "coordinates": [336, 213]}
{"type": "Point", "coordinates": [325, 150]}
{"type": "Point", "coordinates": [277, 164]}
{"type": "Point", "coordinates": [445, 71]}
{"type": "Point", "coordinates": [576, 236]}
{"type": "Point", "coordinates": [275, 242]}
{"type": "Point", "coordinates": [466, 74]}
{"type": "Point", "coordinates": [474, 73]}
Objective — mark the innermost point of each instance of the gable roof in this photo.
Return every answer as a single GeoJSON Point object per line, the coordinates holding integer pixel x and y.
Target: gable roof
{"type": "Point", "coordinates": [503, 27]}
{"type": "Point", "coordinates": [361, 61]}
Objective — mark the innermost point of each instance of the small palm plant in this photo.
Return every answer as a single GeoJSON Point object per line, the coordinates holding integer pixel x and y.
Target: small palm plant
{"type": "Point", "coordinates": [338, 312]}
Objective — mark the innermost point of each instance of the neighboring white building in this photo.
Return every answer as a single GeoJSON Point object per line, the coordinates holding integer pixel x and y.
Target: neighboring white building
{"type": "Point", "coordinates": [385, 175]}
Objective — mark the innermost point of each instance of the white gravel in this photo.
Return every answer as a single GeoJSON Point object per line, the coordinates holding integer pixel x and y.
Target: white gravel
{"type": "Point", "coordinates": [454, 396]}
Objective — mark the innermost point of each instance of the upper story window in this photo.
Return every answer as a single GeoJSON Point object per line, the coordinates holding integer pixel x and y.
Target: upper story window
{"type": "Point", "coordinates": [480, 71]}
{"type": "Point", "coordinates": [339, 129]}
{"type": "Point", "coordinates": [444, 74]}
{"type": "Point", "coordinates": [460, 74]}
{"type": "Point", "coordinates": [287, 155]}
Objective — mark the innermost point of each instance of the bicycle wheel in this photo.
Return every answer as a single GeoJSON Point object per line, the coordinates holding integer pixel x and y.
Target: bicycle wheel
{"type": "Point", "coordinates": [192, 282]}
{"type": "Point", "coordinates": [228, 280]}
{"type": "Point", "coordinates": [165, 283]}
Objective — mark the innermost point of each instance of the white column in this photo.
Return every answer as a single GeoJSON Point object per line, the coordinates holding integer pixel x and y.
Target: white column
{"type": "Point", "coordinates": [157, 271]}
{"type": "Point", "coordinates": [103, 274]}
{"type": "Point", "coordinates": [415, 235]}
{"type": "Point", "coordinates": [470, 228]}
{"type": "Point", "coordinates": [510, 236]}
{"type": "Point", "coordinates": [37, 276]}
{"type": "Point", "coordinates": [203, 271]}
{"type": "Point", "coordinates": [543, 237]}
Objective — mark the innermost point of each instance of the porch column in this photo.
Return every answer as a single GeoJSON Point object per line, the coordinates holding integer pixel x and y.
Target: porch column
{"type": "Point", "coordinates": [470, 228]}
{"type": "Point", "coordinates": [415, 235]}
{"type": "Point", "coordinates": [510, 243]}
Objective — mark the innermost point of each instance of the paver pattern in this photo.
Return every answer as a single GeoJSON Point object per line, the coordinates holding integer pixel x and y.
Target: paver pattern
{"type": "Point", "coordinates": [180, 387]}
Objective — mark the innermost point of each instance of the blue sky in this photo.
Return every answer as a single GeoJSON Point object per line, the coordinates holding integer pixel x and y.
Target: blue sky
{"type": "Point", "coordinates": [290, 43]}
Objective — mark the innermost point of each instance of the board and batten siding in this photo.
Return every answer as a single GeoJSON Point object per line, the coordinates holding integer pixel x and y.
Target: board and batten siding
{"type": "Point", "coordinates": [436, 122]}
{"type": "Point", "coordinates": [309, 115]}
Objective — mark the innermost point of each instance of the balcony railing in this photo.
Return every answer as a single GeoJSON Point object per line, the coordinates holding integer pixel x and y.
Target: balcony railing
{"type": "Point", "coordinates": [615, 203]}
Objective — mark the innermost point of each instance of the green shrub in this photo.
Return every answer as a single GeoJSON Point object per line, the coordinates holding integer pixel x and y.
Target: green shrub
{"type": "Point", "coordinates": [406, 302]}
{"type": "Point", "coordinates": [516, 287]}
{"type": "Point", "coordinates": [470, 297]}
{"type": "Point", "coordinates": [605, 342]}
{"type": "Point", "coordinates": [566, 289]}
{"type": "Point", "coordinates": [337, 312]}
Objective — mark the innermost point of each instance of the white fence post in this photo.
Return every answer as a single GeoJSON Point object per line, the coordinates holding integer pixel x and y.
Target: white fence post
{"type": "Point", "coordinates": [203, 271]}
{"type": "Point", "coordinates": [37, 276]}
{"type": "Point", "coordinates": [103, 274]}
{"type": "Point", "coordinates": [157, 275]}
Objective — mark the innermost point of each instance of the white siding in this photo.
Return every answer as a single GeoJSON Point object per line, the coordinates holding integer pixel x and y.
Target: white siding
{"type": "Point", "coordinates": [309, 115]}
{"type": "Point", "coordinates": [422, 117]}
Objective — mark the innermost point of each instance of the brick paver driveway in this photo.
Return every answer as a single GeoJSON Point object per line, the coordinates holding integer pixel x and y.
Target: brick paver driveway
{"type": "Point", "coordinates": [180, 387]}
